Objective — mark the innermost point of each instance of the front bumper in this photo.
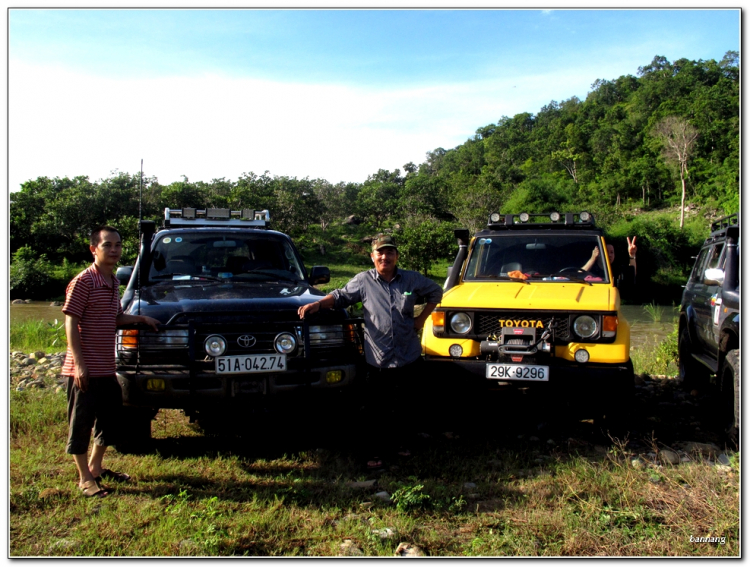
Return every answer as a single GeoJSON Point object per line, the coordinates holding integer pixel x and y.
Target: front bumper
{"type": "Point", "coordinates": [177, 389]}
{"type": "Point", "coordinates": [565, 377]}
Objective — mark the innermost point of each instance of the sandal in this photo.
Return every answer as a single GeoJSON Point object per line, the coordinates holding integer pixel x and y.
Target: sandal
{"type": "Point", "coordinates": [112, 475]}
{"type": "Point", "coordinates": [91, 489]}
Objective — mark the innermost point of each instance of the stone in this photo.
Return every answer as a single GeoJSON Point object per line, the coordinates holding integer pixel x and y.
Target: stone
{"type": "Point", "coordinates": [470, 485]}
{"type": "Point", "coordinates": [384, 496]}
{"type": "Point", "coordinates": [636, 463]}
{"type": "Point", "coordinates": [408, 550]}
{"type": "Point", "coordinates": [17, 302]}
{"type": "Point", "coordinates": [724, 460]}
{"type": "Point", "coordinates": [56, 304]}
{"type": "Point", "coordinates": [385, 533]}
{"type": "Point", "coordinates": [669, 457]}
{"type": "Point", "coordinates": [705, 449]}
{"type": "Point", "coordinates": [39, 354]}
{"type": "Point", "coordinates": [361, 484]}
{"type": "Point", "coordinates": [349, 549]}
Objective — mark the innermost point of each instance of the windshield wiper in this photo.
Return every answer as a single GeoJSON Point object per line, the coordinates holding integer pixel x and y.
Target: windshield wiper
{"type": "Point", "coordinates": [191, 276]}
{"type": "Point", "coordinates": [511, 278]}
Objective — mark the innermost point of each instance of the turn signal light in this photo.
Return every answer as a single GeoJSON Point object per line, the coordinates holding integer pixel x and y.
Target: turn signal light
{"type": "Point", "coordinates": [609, 325]}
{"type": "Point", "coordinates": [129, 338]}
{"type": "Point", "coordinates": [438, 321]}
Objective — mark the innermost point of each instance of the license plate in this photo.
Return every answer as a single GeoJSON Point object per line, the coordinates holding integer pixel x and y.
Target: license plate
{"type": "Point", "coordinates": [527, 372]}
{"type": "Point", "coordinates": [251, 364]}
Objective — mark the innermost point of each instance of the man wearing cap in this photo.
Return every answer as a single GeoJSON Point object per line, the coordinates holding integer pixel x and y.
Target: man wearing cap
{"type": "Point", "coordinates": [388, 294]}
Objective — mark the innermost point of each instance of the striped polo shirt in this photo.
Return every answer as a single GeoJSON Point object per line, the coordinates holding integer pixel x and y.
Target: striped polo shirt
{"type": "Point", "coordinates": [97, 303]}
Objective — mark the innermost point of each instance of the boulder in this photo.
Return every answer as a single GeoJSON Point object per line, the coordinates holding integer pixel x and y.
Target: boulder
{"type": "Point", "coordinates": [408, 550]}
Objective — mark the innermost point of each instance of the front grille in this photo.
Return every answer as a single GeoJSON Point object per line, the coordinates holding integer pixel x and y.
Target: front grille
{"type": "Point", "coordinates": [488, 323]}
{"type": "Point", "coordinates": [171, 346]}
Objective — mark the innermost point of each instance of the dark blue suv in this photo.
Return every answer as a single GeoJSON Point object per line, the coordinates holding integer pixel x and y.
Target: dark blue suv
{"type": "Point", "coordinates": [709, 327]}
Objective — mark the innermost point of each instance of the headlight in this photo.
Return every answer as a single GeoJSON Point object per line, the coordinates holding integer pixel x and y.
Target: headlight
{"type": "Point", "coordinates": [326, 334]}
{"type": "Point", "coordinates": [284, 343]}
{"type": "Point", "coordinates": [460, 323]}
{"type": "Point", "coordinates": [130, 339]}
{"type": "Point", "coordinates": [585, 326]}
{"type": "Point", "coordinates": [495, 217]}
{"type": "Point", "coordinates": [524, 217]}
{"type": "Point", "coordinates": [215, 345]}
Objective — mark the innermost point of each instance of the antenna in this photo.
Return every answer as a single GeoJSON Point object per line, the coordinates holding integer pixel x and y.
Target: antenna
{"type": "Point", "coordinates": [140, 200]}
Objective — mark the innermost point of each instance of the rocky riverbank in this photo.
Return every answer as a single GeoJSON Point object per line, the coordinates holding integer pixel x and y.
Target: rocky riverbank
{"type": "Point", "coordinates": [36, 370]}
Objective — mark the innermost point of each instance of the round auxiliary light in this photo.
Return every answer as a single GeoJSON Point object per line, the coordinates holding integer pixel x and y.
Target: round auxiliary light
{"type": "Point", "coordinates": [582, 356]}
{"type": "Point", "coordinates": [554, 217]}
{"type": "Point", "coordinates": [524, 217]}
{"type": "Point", "coordinates": [585, 326]}
{"type": "Point", "coordinates": [215, 345]}
{"type": "Point", "coordinates": [284, 343]}
{"type": "Point", "coordinates": [584, 216]}
{"type": "Point", "coordinates": [495, 217]}
{"type": "Point", "coordinates": [460, 323]}
{"type": "Point", "coordinates": [455, 351]}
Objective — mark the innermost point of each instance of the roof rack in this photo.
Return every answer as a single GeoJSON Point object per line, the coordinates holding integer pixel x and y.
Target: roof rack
{"type": "Point", "coordinates": [583, 219]}
{"type": "Point", "coordinates": [725, 222]}
{"type": "Point", "coordinates": [245, 218]}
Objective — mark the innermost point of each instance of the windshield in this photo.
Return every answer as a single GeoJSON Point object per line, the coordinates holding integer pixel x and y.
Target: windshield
{"type": "Point", "coordinates": [224, 255]}
{"type": "Point", "coordinates": [537, 258]}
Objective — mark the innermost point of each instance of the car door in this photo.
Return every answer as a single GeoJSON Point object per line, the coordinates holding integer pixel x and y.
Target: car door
{"type": "Point", "coordinates": [705, 298]}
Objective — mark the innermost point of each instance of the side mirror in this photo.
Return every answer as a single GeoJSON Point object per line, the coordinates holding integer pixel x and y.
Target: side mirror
{"type": "Point", "coordinates": [123, 274]}
{"type": "Point", "coordinates": [320, 274]}
{"type": "Point", "coordinates": [713, 276]}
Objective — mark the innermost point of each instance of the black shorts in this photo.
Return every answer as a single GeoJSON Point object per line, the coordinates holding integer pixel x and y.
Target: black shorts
{"type": "Point", "coordinates": [98, 408]}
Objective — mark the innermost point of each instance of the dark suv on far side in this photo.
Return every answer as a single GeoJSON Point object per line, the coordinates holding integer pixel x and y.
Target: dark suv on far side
{"type": "Point", "coordinates": [709, 327]}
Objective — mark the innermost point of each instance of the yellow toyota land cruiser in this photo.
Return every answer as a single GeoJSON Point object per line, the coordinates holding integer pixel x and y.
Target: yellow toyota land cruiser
{"type": "Point", "coordinates": [530, 301]}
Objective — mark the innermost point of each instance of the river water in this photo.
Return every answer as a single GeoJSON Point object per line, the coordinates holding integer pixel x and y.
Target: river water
{"type": "Point", "coordinates": [644, 330]}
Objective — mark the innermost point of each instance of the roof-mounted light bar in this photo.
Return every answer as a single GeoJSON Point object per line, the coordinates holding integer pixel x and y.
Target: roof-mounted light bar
{"type": "Point", "coordinates": [188, 216]}
{"type": "Point", "coordinates": [583, 219]}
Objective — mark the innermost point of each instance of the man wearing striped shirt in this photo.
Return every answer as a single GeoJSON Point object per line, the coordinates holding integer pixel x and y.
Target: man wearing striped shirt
{"type": "Point", "coordinates": [92, 313]}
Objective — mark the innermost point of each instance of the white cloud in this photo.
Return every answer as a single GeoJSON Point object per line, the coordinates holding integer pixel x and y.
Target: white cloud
{"type": "Point", "coordinates": [64, 123]}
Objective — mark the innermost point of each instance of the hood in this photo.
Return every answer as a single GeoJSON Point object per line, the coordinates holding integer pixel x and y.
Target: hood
{"type": "Point", "coordinates": [165, 300]}
{"type": "Point", "coordinates": [535, 295]}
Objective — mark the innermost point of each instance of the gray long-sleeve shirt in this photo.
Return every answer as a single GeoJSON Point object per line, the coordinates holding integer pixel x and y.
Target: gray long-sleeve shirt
{"type": "Point", "coordinates": [390, 338]}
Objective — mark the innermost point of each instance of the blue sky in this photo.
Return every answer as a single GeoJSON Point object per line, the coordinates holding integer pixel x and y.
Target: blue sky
{"type": "Point", "coordinates": [332, 94]}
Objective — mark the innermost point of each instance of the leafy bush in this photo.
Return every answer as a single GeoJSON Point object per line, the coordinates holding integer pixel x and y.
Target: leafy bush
{"type": "Point", "coordinates": [30, 276]}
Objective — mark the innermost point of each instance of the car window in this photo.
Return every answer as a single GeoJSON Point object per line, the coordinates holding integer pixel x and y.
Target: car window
{"type": "Point", "coordinates": [715, 256]}
{"type": "Point", "coordinates": [698, 268]}
{"type": "Point", "coordinates": [537, 257]}
{"type": "Point", "coordinates": [224, 255]}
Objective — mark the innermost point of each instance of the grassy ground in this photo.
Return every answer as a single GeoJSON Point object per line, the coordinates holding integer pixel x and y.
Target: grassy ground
{"type": "Point", "coordinates": [505, 477]}
{"type": "Point", "coordinates": [498, 476]}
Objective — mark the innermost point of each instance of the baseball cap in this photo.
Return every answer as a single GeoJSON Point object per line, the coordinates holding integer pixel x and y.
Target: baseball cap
{"type": "Point", "coordinates": [383, 241]}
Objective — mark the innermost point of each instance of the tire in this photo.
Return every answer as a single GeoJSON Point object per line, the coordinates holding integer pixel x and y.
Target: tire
{"type": "Point", "coordinates": [135, 436]}
{"type": "Point", "coordinates": [618, 406]}
{"type": "Point", "coordinates": [692, 374]}
{"type": "Point", "coordinates": [730, 379]}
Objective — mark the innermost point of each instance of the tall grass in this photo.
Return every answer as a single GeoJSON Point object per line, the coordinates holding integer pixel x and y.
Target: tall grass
{"type": "Point", "coordinates": [34, 335]}
{"type": "Point", "coordinates": [656, 312]}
